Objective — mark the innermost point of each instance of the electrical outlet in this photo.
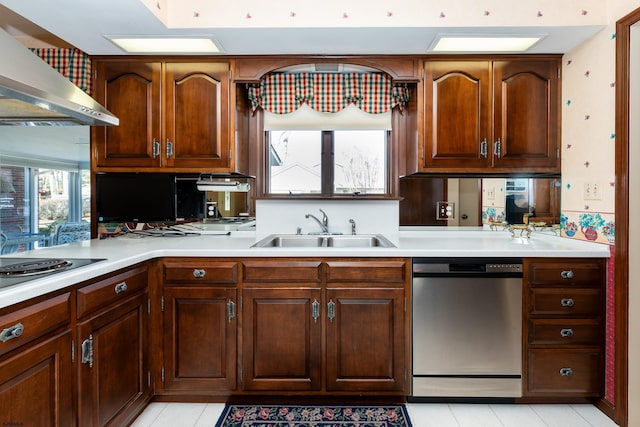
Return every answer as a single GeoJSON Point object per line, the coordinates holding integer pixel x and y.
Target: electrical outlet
{"type": "Point", "coordinates": [444, 210]}
{"type": "Point", "coordinates": [592, 191]}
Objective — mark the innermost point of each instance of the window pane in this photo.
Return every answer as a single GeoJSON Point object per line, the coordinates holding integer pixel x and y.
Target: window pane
{"type": "Point", "coordinates": [294, 162]}
{"type": "Point", "coordinates": [360, 162]}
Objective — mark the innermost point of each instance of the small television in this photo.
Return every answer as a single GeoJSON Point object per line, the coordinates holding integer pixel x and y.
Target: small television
{"type": "Point", "coordinates": [135, 197]}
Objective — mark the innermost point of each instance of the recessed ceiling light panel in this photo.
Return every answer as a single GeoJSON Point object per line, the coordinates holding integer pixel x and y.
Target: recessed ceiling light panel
{"type": "Point", "coordinates": [470, 43]}
{"type": "Point", "coordinates": [159, 44]}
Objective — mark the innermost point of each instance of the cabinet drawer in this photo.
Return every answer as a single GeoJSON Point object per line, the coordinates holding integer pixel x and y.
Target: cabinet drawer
{"type": "Point", "coordinates": [565, 302]}
{"type": "Point", "coordinates": [368, 271]}
{"type": "Point", "coordinates": [282, 271]}
{"type": "Point", "coordinates": [565, 332]}
{"type": "Point", "coordinates": [566, 273]}
{"type": "Point", "coordinates": [115, 288]}
{"type": "Point", "coordinates": [193, 272]}
{"type": "Point", "coordinates": [575, 372]}
{"type": "Point", "coordinates": [29, 323]}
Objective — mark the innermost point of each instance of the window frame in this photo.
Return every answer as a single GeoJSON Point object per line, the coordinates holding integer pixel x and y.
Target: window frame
{"type": "Point", "coordinates": [327, 171]}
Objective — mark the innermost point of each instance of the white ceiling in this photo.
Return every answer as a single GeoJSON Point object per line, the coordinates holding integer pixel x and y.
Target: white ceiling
{"type": "Point", "coordinates": [83, 23]}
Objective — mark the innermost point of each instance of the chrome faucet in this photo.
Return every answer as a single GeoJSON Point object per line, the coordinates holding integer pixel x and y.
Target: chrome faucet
{"type": "Point", "coordinates": [353, 226]}
{"type": "Point", "coordinates": [324, 224]}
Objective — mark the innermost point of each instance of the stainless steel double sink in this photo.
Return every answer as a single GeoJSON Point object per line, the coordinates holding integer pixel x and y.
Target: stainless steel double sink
{"type": "Point", "coordinates": [324, 241]}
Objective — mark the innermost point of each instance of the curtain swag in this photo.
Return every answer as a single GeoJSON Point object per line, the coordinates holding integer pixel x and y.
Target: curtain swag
{"type": "Point", "coordinates": [283, 93]}
{"type": "Point", "coordinates": [71, 63]}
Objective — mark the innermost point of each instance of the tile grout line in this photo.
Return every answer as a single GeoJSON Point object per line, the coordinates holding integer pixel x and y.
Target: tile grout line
{"type": "Point", "coordinates": [453, 413]}
{"type": "Point", "coordinates": [153, 421]}
{"type": "Point", "coordinates": [538, 415]}
{"type": "Point", "coordinates": [496, 415]}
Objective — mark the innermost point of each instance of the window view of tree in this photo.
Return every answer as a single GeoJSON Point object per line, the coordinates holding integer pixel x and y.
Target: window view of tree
{"type": "Point", "coordinates": [359, 162]}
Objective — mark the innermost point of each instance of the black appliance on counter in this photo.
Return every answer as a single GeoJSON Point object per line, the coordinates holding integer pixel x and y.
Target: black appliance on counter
{"type": "Point", "coordinates": [20, 270]}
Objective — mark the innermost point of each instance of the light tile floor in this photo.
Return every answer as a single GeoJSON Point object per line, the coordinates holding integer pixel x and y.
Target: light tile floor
{"type": "Point", "coordinates": [160, 414]}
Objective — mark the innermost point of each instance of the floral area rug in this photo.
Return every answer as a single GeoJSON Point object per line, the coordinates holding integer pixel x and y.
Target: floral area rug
{"type": "Point", "coordinates": [235, 415]}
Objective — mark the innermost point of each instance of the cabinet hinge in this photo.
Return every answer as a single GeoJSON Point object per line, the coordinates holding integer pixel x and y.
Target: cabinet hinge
{"type": "Point", "coordinates": [73, 352]}
{"type": "Point", "coordinates": [148, 305]}
{"type": "Point", "coordinates": [240, 304]}
{"type": "Point", "coordinates": [230, 154]}
{"type": "Point", "coordinates": [162, 303]}
{"type": "Point", "coordinates": [405, 304]}
{"type": "Point", "coordinates": [148, 378]}
{"type": "Point", "coordinates": [162, 374]}
{"type": "Point", "coordinates": [422, 72]}
{"type": "Point", "coordinates": [241, 375]}
{"type": "Point", "coordinates": [558, 72]}
{"type": "Point", "coordinates": [557, 153]}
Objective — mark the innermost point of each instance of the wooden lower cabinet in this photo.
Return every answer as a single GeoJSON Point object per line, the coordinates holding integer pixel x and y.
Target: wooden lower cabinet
{"type": "Point", "coordinates": [563, 328]}
{"type": "Point", "coordinates": [282, 344]}
{"type": "Point", "coordinates": [365, 340]}
{"type": "Point", "coordinates": [325, 326]}
{"type": "Point", "coordinates": [114, 380]}
{"type": "Point", "coordinates": [200, 339]}
{"type": "Point", "coordinates": [36, 384]}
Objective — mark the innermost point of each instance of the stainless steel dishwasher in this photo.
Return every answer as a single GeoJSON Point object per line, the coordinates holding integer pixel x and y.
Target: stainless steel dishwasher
{"type": "Point", "coordinates": [467, 327]}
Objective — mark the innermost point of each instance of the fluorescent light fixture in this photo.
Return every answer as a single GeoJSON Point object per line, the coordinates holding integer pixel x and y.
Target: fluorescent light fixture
{"type": "Point", "coordinates": [153, 44]}
{"type": "Point", "coordinates": [484, 43]}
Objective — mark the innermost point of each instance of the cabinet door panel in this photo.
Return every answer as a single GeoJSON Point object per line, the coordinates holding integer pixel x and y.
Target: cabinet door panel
{"type": "Point", "coordinates": [131, 91]}
{"type": "Point", "coordinates": [365, 345]}
{"type": "Point", "coordinates": [526, 113]}
{"type": "Point", "coordinates": [200, 339]}
{"type": "Point", "coordinates": [117, 378]}
{"type": "Point", "coordinates": [457, 114]}
{"type": "Point", "coordinates": [197, 115]}
{"type": "Point", "coordinates": [36, 385]}
{"type": "Point", "coordinates": [281, 339]}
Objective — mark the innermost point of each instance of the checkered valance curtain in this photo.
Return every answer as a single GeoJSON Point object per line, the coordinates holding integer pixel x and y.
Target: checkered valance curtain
{"type": "Point", "coordinates": [283, 93]}
{"type": "Point", "coordinates": [71, 63]}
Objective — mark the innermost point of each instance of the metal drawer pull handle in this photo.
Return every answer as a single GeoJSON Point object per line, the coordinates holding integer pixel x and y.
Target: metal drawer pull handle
{"type": "Point", "coordinates": [87, 351]}
{"type": "Point", "coordinates": [231, 310]}
{"type": "Point", "coordinates": [315, 310]}
{"type": "Point", "coordinates": [566, 372]}
{"type": "Point", "coordinates": [566, 333]}
{"type": "Point", "coordinates": [198, 272]}
{"type": "Point", "coordinates": [567, 274]}
{"type": "Point", "coordinates": [13, 332]}
{"type": "Point", "coordinates": [567, 302]}
{"type": "Point", "coordinates": [121, 287]}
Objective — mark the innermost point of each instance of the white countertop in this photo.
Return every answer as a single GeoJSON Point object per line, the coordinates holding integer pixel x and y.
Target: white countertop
{"type": "Point", "coordinates": [127, 250]}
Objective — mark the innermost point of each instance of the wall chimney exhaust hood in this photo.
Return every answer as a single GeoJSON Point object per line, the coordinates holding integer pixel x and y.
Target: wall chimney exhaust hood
{"type": "Point", "coordinates": [32, 93]}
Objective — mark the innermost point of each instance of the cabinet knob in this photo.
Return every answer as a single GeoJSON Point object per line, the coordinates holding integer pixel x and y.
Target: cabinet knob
{"type": "Point", "coordinates": [199, 273]}
{"type": "Point", "coordinates": [567, 274]}
{"type": "Point", "coordinates": [566, 333]}
{"type": "Point", "coordinates": [566, 372]}
{"type": "Point", "coordinates": [567, 302]}
{"type": "Point", "coordinates": [12, 332]}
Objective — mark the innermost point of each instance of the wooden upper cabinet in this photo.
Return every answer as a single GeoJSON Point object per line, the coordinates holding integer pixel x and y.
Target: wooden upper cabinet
{"type": "Point", "coordinates": [174, 116]}
{"type": "Point", "coordinates": [491, 116]}
{"type": "Point", "coordinates": [197, 115]}
{"type": "Point", "coordinates": [131, 91]}
{"type": "Point", "coordinates": [526, 114]}
{"type": "Point", "coordinates": [457, 114]}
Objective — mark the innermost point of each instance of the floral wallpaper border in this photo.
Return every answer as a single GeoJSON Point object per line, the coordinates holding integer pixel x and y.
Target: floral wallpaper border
{"type": "Point", "coordinates": [591, 226]}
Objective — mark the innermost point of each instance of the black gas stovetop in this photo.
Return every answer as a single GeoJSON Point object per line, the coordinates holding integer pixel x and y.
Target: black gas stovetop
{"type": "Point", "coordinates": [20, 270]}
